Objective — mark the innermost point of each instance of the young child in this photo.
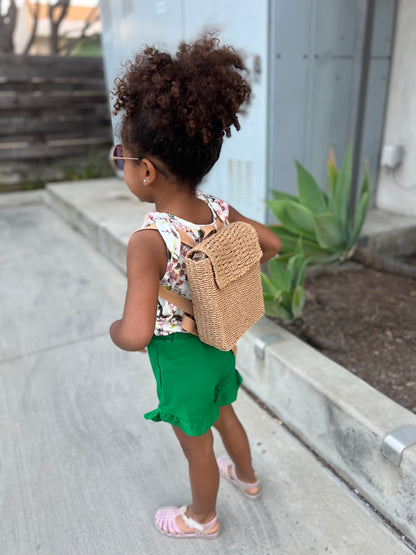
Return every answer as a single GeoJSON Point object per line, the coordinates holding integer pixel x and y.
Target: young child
{"type": "Point", "coordinates": [175, 113]}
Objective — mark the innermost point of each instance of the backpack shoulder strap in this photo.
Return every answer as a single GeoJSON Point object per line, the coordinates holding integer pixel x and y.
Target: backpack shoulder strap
{"type": "Point", "coordinates": [212, 228]}
{"type": "Point", "coordinates": [178, 300]}
{"type": "Point", "coordinates": [174, 298]}
{"type": "Point", "coordinates": [188, 323]}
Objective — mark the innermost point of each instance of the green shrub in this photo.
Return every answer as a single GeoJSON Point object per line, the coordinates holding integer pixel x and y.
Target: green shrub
{"type": "Point", "coordinates": [325, 222]}
{"type": "Point", "coordinates": [283, 293]}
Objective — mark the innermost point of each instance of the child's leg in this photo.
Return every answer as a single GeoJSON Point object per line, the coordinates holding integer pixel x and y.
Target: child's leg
{"type": "Point", "coordinates": [203, 474]}
{"type": "Point", "coordinates": [236, 443]}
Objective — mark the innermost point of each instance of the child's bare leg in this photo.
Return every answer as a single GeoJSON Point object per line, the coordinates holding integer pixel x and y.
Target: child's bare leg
{"type": "Point", "coordinates": [236, 443]}
{"type": "Point", "coordinates": [203, 474]}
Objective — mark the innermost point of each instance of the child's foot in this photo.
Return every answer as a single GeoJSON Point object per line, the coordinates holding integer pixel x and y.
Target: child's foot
{"type": "Point", "coordinates": [173, 522]}
{"type": "Point", "coordinates": [227, 470]}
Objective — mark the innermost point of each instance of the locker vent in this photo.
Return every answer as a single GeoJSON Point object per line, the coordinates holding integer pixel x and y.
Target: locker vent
{"type": "Point", "coordinates": [240, 180]}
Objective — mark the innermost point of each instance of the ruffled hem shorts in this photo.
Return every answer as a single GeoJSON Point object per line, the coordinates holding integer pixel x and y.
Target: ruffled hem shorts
{"type": "Point", "coordinates": [193, 380]}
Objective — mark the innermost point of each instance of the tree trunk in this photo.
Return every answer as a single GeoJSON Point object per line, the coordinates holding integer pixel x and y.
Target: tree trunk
{"type": "Point", "coordinates": [57, 12]}
{"type": "Point", "coordinates": [35, 14]}
{"type": "Point", "coordinates": [72, 43]}
{"type": "Point", "coordinates": [7, 25]}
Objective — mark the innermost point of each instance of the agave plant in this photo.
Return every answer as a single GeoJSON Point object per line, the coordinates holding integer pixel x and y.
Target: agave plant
{"type": "Point", "coordinates": [325, 222]}
{"type": "Point", "coordinates": [283, 291]}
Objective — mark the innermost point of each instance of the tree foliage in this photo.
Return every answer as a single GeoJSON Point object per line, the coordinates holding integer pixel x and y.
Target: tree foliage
{"type": "Point", "coordinates": [57, 12]}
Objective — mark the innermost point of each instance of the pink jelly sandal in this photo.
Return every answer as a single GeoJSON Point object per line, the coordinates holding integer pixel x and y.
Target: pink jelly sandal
{"type": "Point", "coordinates": [165, 522]}
{"type": "Point", "coordinates": [224, 464]}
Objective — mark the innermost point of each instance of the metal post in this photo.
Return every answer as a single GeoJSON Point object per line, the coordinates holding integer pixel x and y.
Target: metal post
{"type": "Point", "coordinates": [361, 96]}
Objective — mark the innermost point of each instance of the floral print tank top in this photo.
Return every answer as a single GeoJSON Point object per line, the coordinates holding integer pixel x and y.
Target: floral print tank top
{"type": "Point", "coordinates": [169, 317]}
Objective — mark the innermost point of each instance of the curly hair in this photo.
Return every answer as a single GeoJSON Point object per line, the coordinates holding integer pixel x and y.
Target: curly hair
{"type": "Point", "coordinates": [178, 108]}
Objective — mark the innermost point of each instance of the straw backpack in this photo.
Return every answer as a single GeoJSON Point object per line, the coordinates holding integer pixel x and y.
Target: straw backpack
{"type": "Point", "coordinates": [223, 272]}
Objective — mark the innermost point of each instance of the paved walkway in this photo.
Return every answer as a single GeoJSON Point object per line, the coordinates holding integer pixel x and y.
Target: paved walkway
{"type": "Point", "coordinates": [82, 472]}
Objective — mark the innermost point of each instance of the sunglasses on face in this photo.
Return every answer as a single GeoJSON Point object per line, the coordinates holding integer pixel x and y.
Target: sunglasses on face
{"type": "Point", "coordinates": [118, 159]}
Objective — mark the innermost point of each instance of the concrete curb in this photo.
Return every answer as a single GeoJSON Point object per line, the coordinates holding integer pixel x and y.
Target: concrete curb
{"type": "Point", "coordinates": [338, 415]}
{"type": "Point", "coordinates": [112, 245]}
{"type": "Point", "coordinates": [20, 198]}
{"type": "Point", "coordinates": [389, 234]}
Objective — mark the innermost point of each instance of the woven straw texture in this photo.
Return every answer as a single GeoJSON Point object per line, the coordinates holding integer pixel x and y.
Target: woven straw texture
{"type": "Point", "coordinates": [226, 286]}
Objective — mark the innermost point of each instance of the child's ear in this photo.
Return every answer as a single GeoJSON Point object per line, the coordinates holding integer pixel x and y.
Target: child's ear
{"type": "Point", "coordinates": [150, 172]}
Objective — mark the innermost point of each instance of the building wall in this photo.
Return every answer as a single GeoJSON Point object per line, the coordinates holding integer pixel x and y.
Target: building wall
{"type": "Point", "coordinates": [396, 190]}
{"type": "Point", "coordinates": [307, 64]}
{"type": "Point", "coordinates": [239, 177]}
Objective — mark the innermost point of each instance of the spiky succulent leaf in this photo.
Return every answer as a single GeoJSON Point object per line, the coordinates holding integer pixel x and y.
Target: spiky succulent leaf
{"type": "Point", "coordinates": [269, 287]}
{"type": "Point", "coordinates": [279, 274]}
{"type": "Point", "coordinates": [298, 302]}
{"type": "Point", "coordinates": [287, 238]}
{"type": "Point", "coordinates": [332, 172]}
{"type": "Point", "coordinates": [328, 231]}
{"type": "Point", "coordinates": [343, 193]}
{"type": "Point", "coordinates": [318, 259]}
{"type": "Point", "coordinates": [280, 195]}
{"type": "Point", "coordinates": [286, 301]}
{"type": "Point", "coordinates": [296, 271]}
{"type": "Point", "coordinates": [271, 306]}
{"type": "Point", "coordinates": [299, 247]}
{"type": "Point", "coordinates": [283, 314]}
{"type": "Point", "coordinates": [293, 216]}
{"type": "Point", "coordinates": [310, 194]}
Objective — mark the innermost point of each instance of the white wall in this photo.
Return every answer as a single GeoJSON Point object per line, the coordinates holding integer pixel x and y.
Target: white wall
{"type": "Point", "coordinates": [396, 190]}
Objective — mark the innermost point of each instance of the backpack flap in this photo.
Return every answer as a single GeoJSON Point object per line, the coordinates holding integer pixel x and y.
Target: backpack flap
{"type": "Point", "coordinates": [232, 252]}
{"type": "Point", "coordinates": [226, 286]}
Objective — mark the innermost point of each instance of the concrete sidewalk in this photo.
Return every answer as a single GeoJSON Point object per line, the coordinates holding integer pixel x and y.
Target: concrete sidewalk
{"type": "Point", "coordinates": [83, 472]}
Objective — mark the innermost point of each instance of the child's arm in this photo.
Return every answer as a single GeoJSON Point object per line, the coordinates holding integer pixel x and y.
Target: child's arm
{"type": "Point", "coordinates": [146, 264]}
{"type": "Point", "coordinates": [269, 242]}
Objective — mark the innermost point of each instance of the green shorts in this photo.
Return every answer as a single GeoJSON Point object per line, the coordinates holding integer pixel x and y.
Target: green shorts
{"type": "Point", "coordinates": [193, 380]}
